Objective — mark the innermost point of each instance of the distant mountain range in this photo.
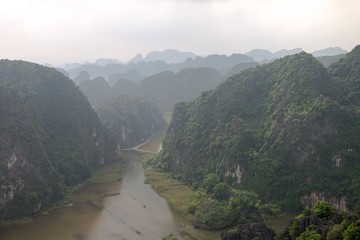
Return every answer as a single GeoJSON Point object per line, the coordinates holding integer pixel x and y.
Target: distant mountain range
{"type": "Point", "coordinates": [221, 63]}
{"type": "Point", "coordinates": [165, 89]}
{"type": "Point", "coordinates": [169, 56]}
{"type": "Point", "coordinates": [265, 56]}
{"type": "Point", "coordinates": [262, 55]}
{"type": "Point", "coordinates": [155, 62]}
{"type": "Point", "coordinates": [332, 51]}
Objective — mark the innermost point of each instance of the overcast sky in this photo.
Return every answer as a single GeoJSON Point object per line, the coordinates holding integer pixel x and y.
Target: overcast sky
{"type": "Point", "coordinates": [58, 31]}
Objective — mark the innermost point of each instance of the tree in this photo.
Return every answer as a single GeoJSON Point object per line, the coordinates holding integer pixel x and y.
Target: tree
{"type": "Point", "coordinates": [322, 209]}
{"type": "Point", "coordinates": [221, 191]}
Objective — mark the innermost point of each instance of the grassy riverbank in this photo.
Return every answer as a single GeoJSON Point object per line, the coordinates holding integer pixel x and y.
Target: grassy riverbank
{"type": "Point", "coordinates": [178, 195]}
{"type": "Point", "coordinates": [105, 174]}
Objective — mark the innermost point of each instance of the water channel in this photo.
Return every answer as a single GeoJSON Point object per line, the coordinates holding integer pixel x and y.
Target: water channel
{"type": "Point", "coordinates": [136, 213]}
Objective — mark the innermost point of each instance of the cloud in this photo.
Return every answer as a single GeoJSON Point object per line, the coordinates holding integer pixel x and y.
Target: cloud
{"type": "Point", "coordinates": [86, 30]}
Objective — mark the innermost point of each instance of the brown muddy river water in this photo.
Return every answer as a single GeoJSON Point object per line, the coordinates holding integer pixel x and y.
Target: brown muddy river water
{"type": "Point", "coordinates": [137, 213]}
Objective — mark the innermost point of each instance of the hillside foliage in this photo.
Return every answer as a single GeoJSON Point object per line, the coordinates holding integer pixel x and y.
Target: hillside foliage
{"type": "Point", "coordinates": [281, 130]}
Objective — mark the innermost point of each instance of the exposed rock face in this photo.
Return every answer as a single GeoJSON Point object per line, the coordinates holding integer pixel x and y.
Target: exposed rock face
{"type": "Point", "coordinates": [309, 200]}
{"type": "Point", "coordinates": [234, 173]}
{"type": "Point", "coordinates": [250, 231]}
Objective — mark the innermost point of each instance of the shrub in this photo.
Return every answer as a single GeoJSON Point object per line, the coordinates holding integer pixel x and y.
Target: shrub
{"type": "Point", "coordinates": [306, 212]}
{"type": "Point", "coordinates": [337, 231]}
{"type": "Point", "coordinates": [221, 191]}
{"type": "Point", "coordinates": [294, 229]}
{"type": "Point", "coordinates": [309, 234]}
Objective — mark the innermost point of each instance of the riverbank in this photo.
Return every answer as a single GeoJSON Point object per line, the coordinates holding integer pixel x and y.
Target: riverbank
{"type": "Point", "coordinates": [178, 195]}
{"type": "Point", "coordinates": [181, 197]}
{"type": "Point", "coordinates": [105, 174]}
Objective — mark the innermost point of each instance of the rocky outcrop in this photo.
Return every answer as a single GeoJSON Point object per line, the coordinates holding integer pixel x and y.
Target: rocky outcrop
{"type": "Point", "coordinates": [250, 231]}
{"type": "Point", "coordinates": [322, 225]}
{"type": "Point", "coordinates": [234, 173]}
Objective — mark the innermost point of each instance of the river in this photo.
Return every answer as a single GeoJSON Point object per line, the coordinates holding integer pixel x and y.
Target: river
{"type": "Point", "coordinates": [136, 213]}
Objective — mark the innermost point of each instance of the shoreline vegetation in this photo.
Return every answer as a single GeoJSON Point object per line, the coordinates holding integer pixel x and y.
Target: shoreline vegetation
{"type": "Point", "coordinates": [105, 174]}
{"type": "Point", "coordinates": [180, 196]}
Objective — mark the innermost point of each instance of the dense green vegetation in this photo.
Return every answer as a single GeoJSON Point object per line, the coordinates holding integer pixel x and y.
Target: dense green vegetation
{"type": "Point", "coordinates": [281, 130]}
{"type": "Point", "coordinates": [322, 222]}
{"type": "Point", "coordinates": [214, 207]}
{"type": "Point", "coordinates": [131, 120]}
{"type": "Point", "coordinates": [50, 138]}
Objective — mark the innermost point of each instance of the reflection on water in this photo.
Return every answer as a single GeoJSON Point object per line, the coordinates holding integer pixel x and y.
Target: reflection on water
{"type": "Point", "coordinates": [137, 213]}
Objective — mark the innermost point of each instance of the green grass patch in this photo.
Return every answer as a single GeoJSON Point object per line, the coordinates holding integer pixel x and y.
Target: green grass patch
{"type": "Point", "coordinates": [187, 235]}
{"type": "Point", "coordinates": [178, 195]}
{"type": "Point", "coordinates": [280, 222]}
{"type": "Point", "coordinates": [105, 174]}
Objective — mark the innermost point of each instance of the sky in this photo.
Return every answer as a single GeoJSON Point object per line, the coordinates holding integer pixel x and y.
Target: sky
{"type": "Point", "coordinates": [64, 31]}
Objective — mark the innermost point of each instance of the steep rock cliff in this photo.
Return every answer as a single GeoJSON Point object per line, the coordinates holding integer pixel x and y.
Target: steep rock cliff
{"type": "Point", "coordinates": [50, 137]}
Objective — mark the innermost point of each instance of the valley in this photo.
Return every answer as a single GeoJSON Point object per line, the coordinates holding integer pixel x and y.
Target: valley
{"type": "Point", "coordinates": [127, 211]}
{"type": "Point", "coordinates": [237, 154]}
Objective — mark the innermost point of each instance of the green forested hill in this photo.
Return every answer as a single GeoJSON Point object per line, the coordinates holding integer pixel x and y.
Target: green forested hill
{"type": "Point", "coordinates": [50, 137]}
{"type": "Point", "coordinates": [288, 130]}
{"type": "Point", "coordinates": [131, 120]}
{"type": "Point", "coordinates": [347, 73]}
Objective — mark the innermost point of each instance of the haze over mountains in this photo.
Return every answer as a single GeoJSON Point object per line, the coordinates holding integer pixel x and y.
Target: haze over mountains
{"type": "Point", "coordinates": [174, 60]}
{"type": "Point", "coordinates": [160, 78]}
{"type": "Point", "coordinates": [165, 89]}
